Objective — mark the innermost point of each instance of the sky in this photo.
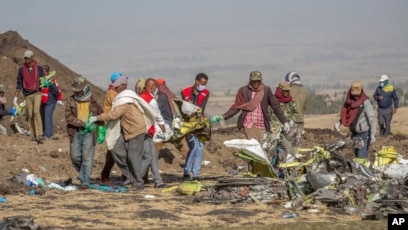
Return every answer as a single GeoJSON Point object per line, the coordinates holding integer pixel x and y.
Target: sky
{"type": "Point", "coordinates": [325, 41]}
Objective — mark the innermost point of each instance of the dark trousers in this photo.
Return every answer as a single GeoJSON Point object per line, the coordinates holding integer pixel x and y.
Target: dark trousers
{"type": "Point", "coordinates": [109, 163]}
{"type": "Point", "coordinates": [384, 120]}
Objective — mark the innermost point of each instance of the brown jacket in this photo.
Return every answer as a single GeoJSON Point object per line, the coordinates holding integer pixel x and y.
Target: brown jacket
{"type": "Point", "coordinates": [299, 95]}
{"type": "Point", "coordinates": [268, 100]}
{"type": "Point", "coordinates": [132, 121]}
{"type": "Point", "coordinates": [73, 123]}
{"type": "Point", "coordinates": [109, 97]}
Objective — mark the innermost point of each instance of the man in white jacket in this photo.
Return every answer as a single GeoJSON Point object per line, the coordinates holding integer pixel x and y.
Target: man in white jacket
{"type": "Point", "coordinates": [150, 156]}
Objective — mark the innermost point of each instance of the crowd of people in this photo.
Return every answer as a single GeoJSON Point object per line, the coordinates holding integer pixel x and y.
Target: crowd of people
{"type": "Point", "coordinates": [132, 118]}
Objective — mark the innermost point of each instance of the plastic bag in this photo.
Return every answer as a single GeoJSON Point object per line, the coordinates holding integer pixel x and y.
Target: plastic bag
{"type": "Point", "coordinates": [89, 126]}
{"type": "Point", "coordinates": [101, 134]}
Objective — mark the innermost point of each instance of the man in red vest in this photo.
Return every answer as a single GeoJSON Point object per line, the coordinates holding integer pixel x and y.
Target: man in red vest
{"type": "Point", "coordinates": [28, 83]}
{"type": "Point", "coordinates": [150, 156]}
{"type": "Point", "coordinates": [198, 95]}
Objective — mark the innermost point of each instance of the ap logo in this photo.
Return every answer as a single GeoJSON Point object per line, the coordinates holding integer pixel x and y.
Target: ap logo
{"type": "Point", "coordinates": [397, 221]}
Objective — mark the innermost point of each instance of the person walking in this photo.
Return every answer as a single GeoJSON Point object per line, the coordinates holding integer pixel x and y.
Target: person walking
{"type": "Point", "coordinates": [3, 110]}
{"type": "Point", "coordinates": [357, 114]}
{"type": "Point", "coordinates": [165, 102]}
{"type": "Point", "coordinates": [51, 95]}
{"type": "Point", "coordinates": [129, 118]}
{"type": "Point", "coordinates": [198, 95]}
{"type": "Point", "coordinates": [82, 143]}
{"type": "Point", "coordinates": [150, 155]}
{"type": "Point", "coordinates": [28, 84]}
{"type": "Point", "coordinates": [289, 109]}
{"type": "Point", "coordinates": [387, 102]}
{"type": "Point", "coordinates": [299, 95]}
{"type": "Point", "coordinates": [253, 101]}
{"type": "Point", "coordinates": [107, 106]}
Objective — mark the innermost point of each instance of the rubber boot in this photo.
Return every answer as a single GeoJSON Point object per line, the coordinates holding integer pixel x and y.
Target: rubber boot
{"type": "Point", "coordinates": [361, 161]}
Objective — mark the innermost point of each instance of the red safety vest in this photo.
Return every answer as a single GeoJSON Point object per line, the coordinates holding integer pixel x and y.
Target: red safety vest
{"type": "Point", "coordinates": [148, 98]}
{"type": "Point", "coordinates": [188, 93]}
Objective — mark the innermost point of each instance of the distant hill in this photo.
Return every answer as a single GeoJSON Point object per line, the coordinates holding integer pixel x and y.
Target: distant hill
{"type": "Point", "coordinates": [12, 47]}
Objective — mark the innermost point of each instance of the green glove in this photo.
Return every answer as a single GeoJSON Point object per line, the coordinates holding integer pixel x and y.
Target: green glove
{"type": "Point", "coordinates": [101, 134]}
{"type": "Point", "coordinates": [215, 119]}
{"type": "Point", "coordinates": [89, 126]}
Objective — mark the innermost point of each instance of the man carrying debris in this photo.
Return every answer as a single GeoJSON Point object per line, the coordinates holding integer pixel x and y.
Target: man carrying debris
{"type": "Point", "coordinates": [130, 115]}
{"type": "Point", "coordinates": [299, 94]}
{"type": "Point", "coordinates": [82, 140]}
{"type": "Point", "coordinates": [150, 155]}
{"type": "Point", "coordinates": [198, 95]}
{"type": "Point", "coordinates": [387, 101]}
{"type": "Point", "coordinates": [253, 100]}
{"type": "Point", "coordinates": [3, 110]}
{"type": "Point", "coordinates": [357, 113]}
{"type": "Point", "coordinates": [28, 83]}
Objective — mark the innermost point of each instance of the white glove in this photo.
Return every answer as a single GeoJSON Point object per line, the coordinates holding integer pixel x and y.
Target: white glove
{"type": "Point", "coordinates": [60, 102]}
{"type": "Point", "coordinates": [15, 101]}
{"type": "Point", "coordinates": [291, 123]}
{"type": "Point", "coordinates": [92, 119]}
{"type": "Point", "coordinates": [372, 139]}
{"type": "Point", "coordinates": [337, 126]}
{"type": "Point", "coordinates": [286, 127]}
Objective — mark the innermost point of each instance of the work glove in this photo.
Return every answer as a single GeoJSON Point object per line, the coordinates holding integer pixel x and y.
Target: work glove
{"type": "Point", "coordinates": [337, 126]}
{"type": "Point", "coordinates": [291, 123]}
{"type": "Point", "coordinates": [286, 127]}
{"type": "Point", "coordinates": [15, 101]}
{"type": "Point", "coordinates": [215, 119]}
{"type": "Point", "coordinates": [92, 119]}
{"type": "Point", "coordinates": [372, 139]}
{"type": "Point", "coordinates": [60, 102]}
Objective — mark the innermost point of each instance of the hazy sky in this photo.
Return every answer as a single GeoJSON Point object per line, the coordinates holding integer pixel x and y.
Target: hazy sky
{"type": "Point", "coordinates": [176, 39]}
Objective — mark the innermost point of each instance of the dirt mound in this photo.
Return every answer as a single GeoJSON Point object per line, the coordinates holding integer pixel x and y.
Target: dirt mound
{"type": "Point", "coordinates": [12, 47]}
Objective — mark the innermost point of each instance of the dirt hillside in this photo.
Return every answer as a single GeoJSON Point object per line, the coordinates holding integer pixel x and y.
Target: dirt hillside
{"type": "Point", "coordinates": [12, 47]}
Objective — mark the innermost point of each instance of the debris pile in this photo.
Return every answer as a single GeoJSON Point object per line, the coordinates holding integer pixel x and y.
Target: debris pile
{"type": "Point", "coordinates": [324, 179]}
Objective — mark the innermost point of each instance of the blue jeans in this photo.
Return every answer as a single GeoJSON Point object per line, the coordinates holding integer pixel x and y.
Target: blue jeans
{"type": "Point", "coordinates": [48, 115]}
{"type": "Point", "coordinates": [194, 156]}
{"type": "Point", "coordinates": [361, 144]}
{"type": "Point", "coordinates": [82, 154]}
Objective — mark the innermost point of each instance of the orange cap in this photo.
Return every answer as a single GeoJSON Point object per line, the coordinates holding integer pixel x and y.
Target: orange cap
{"type": "Point", "coordinates": [161, 81]}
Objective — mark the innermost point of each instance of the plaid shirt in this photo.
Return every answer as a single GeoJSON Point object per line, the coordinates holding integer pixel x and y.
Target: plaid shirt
{"type": "Point", "coordinates": [255, 118]}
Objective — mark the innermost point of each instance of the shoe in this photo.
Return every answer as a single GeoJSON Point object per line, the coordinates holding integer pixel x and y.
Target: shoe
{"type": "Point", "coordinates": [197, 178]}
{"type": "Point", "coordinates": [84, 186]}
{"type": "Point", "coordinates": [40, 138]}
{"type": "Point", "coordinates": [135, 188]}
{"type": "Point", "coordinates": [126, 182]}
{"type": "Point", "coordinates": [162, 185]}
{"type": "Point", "coordinates": [105, 180]}
{"type": "Point", "coordinates": [33, 138]}
{"type": "Point", "coordinates": [186, 177]}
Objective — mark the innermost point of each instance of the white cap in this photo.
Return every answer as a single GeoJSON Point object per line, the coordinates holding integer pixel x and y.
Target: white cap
{"type": "Point", "coordinates": [28, 54]}
{"type": "Point", "coordinates": [383, 78]}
